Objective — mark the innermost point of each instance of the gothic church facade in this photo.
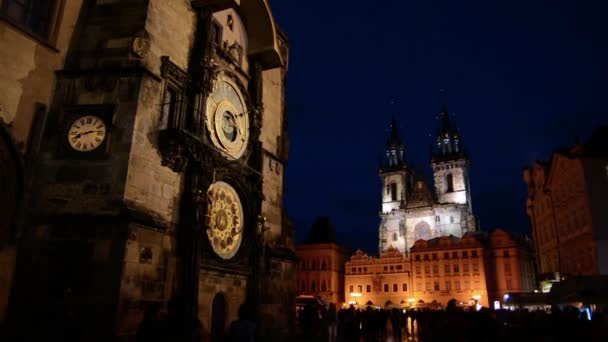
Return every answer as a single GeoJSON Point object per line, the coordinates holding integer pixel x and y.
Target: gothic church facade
{"type": "Point", "coordinates": [411, 209]}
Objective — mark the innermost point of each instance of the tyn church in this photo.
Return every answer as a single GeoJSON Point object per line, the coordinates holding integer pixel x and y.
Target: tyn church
{"type": "Point", "coordinates": [411, 210]}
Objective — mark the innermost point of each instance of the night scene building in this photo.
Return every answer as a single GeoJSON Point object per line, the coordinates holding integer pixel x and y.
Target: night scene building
{"type": "Point", "coordinates": [411, 209]}
{"type": "Point", "coordinates": [149, 138]}
{"type": "Point", "coordinates": [430, 249]}
{"type": "Point", "coordinates": [567, 208]}
{"type": "Point", "coordinates": [320, 272]}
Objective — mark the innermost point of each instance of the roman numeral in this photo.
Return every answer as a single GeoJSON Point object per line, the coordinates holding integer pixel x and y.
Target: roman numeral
{"type": "Point", "coordinates": [82, 122]}
{"type": "Point", "coordinates": [97, 139]}
{"type": "Point", "coordinates": [89, 120]}
{"type": "Point", "coordinates": [99, 132]}
{"type": "Point", "coordinates": [99, 127]}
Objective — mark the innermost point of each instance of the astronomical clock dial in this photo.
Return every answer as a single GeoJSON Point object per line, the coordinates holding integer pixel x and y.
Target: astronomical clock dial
{"type": "Point", "coordinates": [86, 133]}
{"type": "Point", "coordinates": [224, 220]}
{"type": "Point", "coordinates": [227, 117]}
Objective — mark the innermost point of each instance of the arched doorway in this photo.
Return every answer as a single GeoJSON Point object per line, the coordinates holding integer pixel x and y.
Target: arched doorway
{"type": "Point", "coordinates": [422, 231]}
{"type": "Point", "coordinates": [218, 318]}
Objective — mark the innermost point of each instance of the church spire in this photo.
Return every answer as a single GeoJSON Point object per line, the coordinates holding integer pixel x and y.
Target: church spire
{"type": "Point", "coordinates": [448, 136]}
{"type": "Point", "coordinates": [394, 146]}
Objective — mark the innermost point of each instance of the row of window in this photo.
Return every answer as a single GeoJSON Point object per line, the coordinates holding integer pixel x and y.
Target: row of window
{"type": "Point", "coordinates": [446, 255]}
{"type": "Point", "coordinates": [434, 286]}
{"type": "Point", "coordinates": [313, 266]}
{"type": "Point", "coordinates": [387, 288]}
{"type": "Point", "coordinates": [447, 268]}
{"type": "Point", "coordinates": [391, 268]}
{"type": "Point", "coordinates": [312, 287]}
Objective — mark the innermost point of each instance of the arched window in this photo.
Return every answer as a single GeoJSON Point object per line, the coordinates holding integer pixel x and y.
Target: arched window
{"type": "Point", "coordinates": [449, 180]}
{"type": "Point", "coordinates": [393, 191]}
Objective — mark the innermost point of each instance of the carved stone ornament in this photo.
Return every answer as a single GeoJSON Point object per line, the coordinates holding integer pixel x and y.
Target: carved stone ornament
{"type": "Point", "coordinates": [170, 70]}
{"type": "Point", "coordinates": [224, 220]}
{"type": "Point", "coordinates": [140, 46]}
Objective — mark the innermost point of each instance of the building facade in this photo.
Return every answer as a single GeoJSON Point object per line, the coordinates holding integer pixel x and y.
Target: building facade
{"type": "Point", "coordinates": [378, 280]}
{"type": "Point", "coordinates": [320, 271]}
{"type": "Point", "coordinates": [448, 268]}
{"type": "Point", "coordinates": [35, 36]}
{"type": "Point", "coordinates": [411, 209]}
{"type": "Point", "coordinates": [566, 205]}
{"type": "Point", "coordinates": [160, 168]}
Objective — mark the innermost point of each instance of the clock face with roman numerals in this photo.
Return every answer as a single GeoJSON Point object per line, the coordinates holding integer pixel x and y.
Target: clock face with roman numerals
{"type": "Point", "coordinates": [87, 133]}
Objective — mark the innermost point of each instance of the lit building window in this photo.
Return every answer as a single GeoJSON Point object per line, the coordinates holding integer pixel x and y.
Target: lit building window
{"type": "Point", "coordinates": [393, 191]}
{"type": "Point", "coordinates": [404, 287]}
{"type": "Point", "coordinates": [465, 267]}
{"type": "Point", "coordinates": [417, 269]}
{"type": "Point", "coordinates": [435, 269]}
{"type": "Point", "coordinates": [351, 289]}
{"type": "Point", "coordinates": [368, 288]}
{"type": "Point", "coordinates": [447, 268]}
{"type": "Point", "coordinates": [385, 287]}
{"type": "Point", "coordinates": [428, 286]}
{"type": "Point", "coordinates": [360, 288]}
{"type": "Point", "coordinates": [507, 267]}
{"type": "Point", "coordinates": [436, 286]}
{"type": "Point", "coordinates": [456, 268]}
{"type": "Point", "coordinates": [475, 267]}
{"type": "Point", "coordinates": [467, 285]}
{"type": "Point", "coordinates": [447, 285]}
{"type": "Point", "coordinates": [509, 284]}
{"type": "Point", "coordinates": [323, 286]}
{"type": "Point", "coordinates": [395, 288]}
{"type": "Point", "coordinates": [457, 285]}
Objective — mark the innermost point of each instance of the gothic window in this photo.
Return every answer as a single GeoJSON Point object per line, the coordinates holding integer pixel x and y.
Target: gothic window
{"type": "Point", "coordinates": [394, 236]}
{"type": "Point", "coordinates": [393, 191]}
{"type": "Point", "coordinates": [422, 230]}
{"type": "Point", "coordinates": [449, 181]}
{"type": "Point", "coordinates": [171, 114]}
{"type": "Point", "coordinates": [35, 16]}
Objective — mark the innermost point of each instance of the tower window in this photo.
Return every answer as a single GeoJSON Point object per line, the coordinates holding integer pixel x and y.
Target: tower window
{"type": "Point", "coordinates": [451, 219]}
{"type": "Point", "coordinates": [393, 191]}
{"type": "Point", "coordinates": [449, 180]}
{"type": "Point", "coordinates": [394, 236]}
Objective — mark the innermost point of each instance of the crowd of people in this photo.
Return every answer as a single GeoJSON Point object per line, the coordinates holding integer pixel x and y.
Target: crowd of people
{"type": "Point", "coordinates": [451, 324]}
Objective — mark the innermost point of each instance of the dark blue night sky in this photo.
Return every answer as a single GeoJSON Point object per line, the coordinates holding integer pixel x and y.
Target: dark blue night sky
{"type": "Point", "coordinates": [523, 77]}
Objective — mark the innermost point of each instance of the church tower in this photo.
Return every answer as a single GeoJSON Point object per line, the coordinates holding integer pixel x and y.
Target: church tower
{"type": "Point", "coordinates": [396, 186]}
{"type": "Point", "coordinates": [450, 164]}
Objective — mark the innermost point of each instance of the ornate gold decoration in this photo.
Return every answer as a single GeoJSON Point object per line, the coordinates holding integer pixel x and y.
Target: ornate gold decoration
{"type": "Point", "coordinates": [227, 117]}
{"type": "Point", "coordinates": [224, 219]}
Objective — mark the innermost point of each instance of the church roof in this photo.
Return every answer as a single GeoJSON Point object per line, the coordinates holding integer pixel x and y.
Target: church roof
{"type": "Point", "coordinates": [322, 231]}
{"type": "Point", "coordinates": [421, 195]}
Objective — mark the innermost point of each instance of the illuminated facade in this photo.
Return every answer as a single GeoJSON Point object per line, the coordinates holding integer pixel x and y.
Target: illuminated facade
{"type": "Point", "coordinates": [411, 210]}
{"type": "Point", "coordinates": [373, 280]}
{"type": "Point", "coordinates": [320, 272]}
{"type": "Point", "coordinates": [480, 267]}
{"type": "Point", "coordinates": [449, 267]}
{"type": "Point", "coordinates": [567, 208]}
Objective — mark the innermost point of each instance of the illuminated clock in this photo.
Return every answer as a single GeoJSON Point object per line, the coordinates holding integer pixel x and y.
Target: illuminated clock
{"type": "Point", "coordinates": [86, 133]}
{"type": "Point", "coordinates": [224, 223]}
{"type": "Point", "coordinates": [227, 117]}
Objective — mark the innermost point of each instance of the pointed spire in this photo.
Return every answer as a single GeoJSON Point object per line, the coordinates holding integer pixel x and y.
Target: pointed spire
{"type": "Point", "coordinates": [448, 137]}
{"type": "Point", "coordinates": [394, 139]}
{"type": "Point", "coordinates": [394, 144]}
